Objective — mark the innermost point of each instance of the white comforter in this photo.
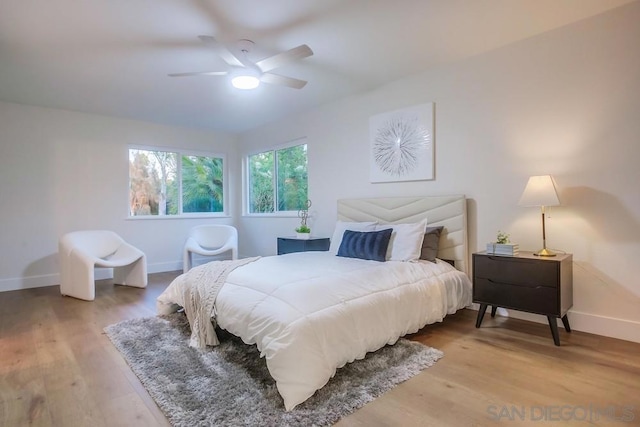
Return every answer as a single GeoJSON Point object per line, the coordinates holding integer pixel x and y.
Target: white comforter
{"type": "Point", "coordinates": [310, 313]}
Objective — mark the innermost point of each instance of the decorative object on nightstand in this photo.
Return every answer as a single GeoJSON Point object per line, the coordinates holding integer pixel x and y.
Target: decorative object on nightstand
{"type": "Point", "coordinates": [304, 232]}
{"type": "Point", "coordinates": [525, 282]}
{"type": "Point", "coordinates": [291, 244]}
{"type": "Point", "coordinates": [540, 191]}
{"type": "Point", "coordinates": [502, 245]}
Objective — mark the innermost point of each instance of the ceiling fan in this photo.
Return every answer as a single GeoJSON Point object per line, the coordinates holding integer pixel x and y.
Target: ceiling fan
{"type": "Point", "coordinates": [246, 74]}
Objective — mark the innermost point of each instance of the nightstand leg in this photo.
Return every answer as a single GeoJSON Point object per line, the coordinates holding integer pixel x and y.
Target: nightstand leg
{"type": "Point", "coordinates": [483, 308]}
{"type": "Point", "coordinates": [493, 310]}
{"type": "Point", "coordinates": [565, 322]}
{"type": "Point", "coordinates": [553, 324]}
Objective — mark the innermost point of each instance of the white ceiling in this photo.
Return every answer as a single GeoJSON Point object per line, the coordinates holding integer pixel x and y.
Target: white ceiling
{"type": "Point", "coordinates": [112, 57]}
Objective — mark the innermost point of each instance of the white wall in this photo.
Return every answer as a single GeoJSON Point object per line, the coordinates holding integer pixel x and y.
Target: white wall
{"type": "Point", "coordinates": [565, 103]}
{"type": "Point", "coordinates": [62, 171]}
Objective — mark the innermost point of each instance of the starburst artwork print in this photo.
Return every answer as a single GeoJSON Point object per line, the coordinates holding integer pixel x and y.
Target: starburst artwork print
{"type": "Point", "coordinates": [402, 144]}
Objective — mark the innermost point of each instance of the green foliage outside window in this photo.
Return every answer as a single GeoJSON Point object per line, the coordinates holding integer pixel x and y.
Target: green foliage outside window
{"type": "Point", "coordinates": [288, 190]}
{"type": "Point", "coordinates": [261, 191]}
{"type": "Point", "coordinates": [292, 178]}
{"type": "Point", "coordinates": [155, 180]}
{"type": "Point", "coordinates": [201, 184]}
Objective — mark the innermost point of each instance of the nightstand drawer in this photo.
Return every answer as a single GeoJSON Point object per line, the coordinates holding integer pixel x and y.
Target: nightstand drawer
{"type": "Point", "coordinates": [287, 245]}
{"type": "Point", "coordinates": [535, 299]}
{"type": "Point", "coordinates": [516, 271]}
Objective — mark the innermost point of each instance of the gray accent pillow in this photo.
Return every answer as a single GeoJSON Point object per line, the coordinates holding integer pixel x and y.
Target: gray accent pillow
{"type": "Point", "coordinates": [430, 243]}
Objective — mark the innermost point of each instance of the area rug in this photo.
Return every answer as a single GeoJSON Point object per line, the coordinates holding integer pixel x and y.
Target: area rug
{"type": "Point", "coordinates": [229, 385]}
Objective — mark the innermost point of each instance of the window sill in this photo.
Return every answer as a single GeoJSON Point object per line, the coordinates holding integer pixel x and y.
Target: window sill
{"type": "Point", "coordinates": [271, 215]}
{"type": "Point", "coordinates": [161, 217]}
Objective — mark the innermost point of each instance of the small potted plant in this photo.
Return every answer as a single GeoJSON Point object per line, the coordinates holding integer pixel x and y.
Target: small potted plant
{"type": "Point", "coordinates": [502, 245]}
{"type": "Point", "coordinates": [303, 231]}
{"type": "Point", "coordinates": [502, 238]}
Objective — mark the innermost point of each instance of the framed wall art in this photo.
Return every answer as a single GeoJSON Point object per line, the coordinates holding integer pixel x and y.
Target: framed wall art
{"type": "Point", "coordinates": [402, 145]}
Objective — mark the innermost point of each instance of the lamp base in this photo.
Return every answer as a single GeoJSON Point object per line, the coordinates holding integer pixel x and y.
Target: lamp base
{"type": "Point", "coordinates": [545, 252]}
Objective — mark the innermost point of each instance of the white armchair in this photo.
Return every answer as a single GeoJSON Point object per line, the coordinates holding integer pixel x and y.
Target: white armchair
{"type": "Point", "coordinates": [210, 240]}
{"type": "Point", "coordinates": [81, 251]}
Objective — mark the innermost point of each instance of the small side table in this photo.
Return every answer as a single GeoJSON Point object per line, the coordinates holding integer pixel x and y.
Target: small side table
{"type": "Point", "coordinates": [287, 245]}
{"type": "Point", "coordinates": [525, 282]}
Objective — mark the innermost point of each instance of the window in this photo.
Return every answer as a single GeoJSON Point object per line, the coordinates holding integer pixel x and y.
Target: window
{"type": "Point", "coordinates": [277, 180]}
{"type": "Point", "coordinates": [174, 183]}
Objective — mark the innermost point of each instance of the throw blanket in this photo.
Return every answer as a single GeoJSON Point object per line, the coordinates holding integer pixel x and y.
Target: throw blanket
{"type": "Point", "coordinates": [197, 291]}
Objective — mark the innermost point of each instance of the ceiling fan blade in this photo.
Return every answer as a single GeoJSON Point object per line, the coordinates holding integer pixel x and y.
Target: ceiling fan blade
{"type": "Point", "coordinates": [222, 51]}
{"type": "Point", "coordinates": [275, 79]}
{"type": "Point", "coordinates": [283, 58]}
{"type": "Point", "coordinates": [199, 73]}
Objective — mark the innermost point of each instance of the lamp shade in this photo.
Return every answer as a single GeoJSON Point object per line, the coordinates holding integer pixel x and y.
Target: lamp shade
{"type": "Point", "coordinates": [540, 191]}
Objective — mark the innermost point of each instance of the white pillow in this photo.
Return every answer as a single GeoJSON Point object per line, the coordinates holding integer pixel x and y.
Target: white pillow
{"type": "Point", "coordinates": [342, 226]}
{"type": "Point", "coordinates": [406, 240]}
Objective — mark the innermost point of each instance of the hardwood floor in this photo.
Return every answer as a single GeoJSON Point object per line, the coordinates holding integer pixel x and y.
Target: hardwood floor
{"type": "Point", "coordinates": [58, 368]}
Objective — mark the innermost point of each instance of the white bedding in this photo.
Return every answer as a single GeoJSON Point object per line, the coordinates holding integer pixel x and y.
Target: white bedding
{"type": "Point", "coordinates": [310, 313]}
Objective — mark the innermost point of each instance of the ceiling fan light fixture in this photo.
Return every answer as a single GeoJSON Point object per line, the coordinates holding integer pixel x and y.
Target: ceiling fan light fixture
{"type": "Point", "coordinates": [245, 74]}
{"type": "Point", "coordinates": [245, 82]}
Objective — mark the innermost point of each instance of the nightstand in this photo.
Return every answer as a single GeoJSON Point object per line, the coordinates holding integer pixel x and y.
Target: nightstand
{"type": "Point", "coordinates": [291, 244]}
{"type": "Point", "coordinates": [525, 282]}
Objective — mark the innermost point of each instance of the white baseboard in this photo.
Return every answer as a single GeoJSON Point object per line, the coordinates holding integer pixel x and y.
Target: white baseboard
{"type": "Point", "coordinates": [622, 329]}
{"type": "Point", "coordinates": [18, 283]}
{"type": "Point", "coordinates": [161, 267]}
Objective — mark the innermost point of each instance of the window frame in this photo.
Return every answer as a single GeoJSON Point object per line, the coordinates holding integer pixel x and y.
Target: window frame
{"type": "Point", "coordinates": [247, 181]}
{"type": "Point", "coordinates": [183, 152]}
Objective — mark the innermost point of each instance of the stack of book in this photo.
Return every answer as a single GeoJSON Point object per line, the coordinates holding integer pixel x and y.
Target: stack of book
{"type": "Point", "coordinates": [510, 249]}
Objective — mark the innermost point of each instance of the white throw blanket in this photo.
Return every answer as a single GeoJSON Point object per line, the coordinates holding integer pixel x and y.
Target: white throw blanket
{"type": "Point", "coordinates": [197, 291]}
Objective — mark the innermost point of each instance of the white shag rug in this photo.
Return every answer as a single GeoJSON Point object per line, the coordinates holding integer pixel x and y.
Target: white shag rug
{"type": "Point", "coordinates": [229, 385]}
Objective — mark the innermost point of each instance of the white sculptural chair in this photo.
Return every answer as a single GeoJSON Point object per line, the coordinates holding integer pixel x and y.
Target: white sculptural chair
{"type": "Point", "coordinates": [210, 240]}
{"type": "Point", "coordinates": [81, 252]}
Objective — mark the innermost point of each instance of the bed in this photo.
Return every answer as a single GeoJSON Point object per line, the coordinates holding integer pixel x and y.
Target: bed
{"type": "Point", "coordinates": [310, 313]}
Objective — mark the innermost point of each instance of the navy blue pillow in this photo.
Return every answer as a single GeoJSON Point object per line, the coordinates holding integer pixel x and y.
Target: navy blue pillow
{"type": "Point", "coordinates": [365, 244]}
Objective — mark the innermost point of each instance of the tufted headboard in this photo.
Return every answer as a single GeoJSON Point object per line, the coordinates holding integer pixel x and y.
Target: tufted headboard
{"type": "Point", "coordinates": [448, 211]}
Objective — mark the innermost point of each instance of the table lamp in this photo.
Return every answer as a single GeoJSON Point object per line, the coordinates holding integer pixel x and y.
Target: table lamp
{"type": "Point", "coordinates": [540, 191]}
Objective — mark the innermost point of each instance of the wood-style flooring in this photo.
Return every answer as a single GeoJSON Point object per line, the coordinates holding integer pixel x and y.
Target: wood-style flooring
{"type": "Point", "coordinates": [58, 368]}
